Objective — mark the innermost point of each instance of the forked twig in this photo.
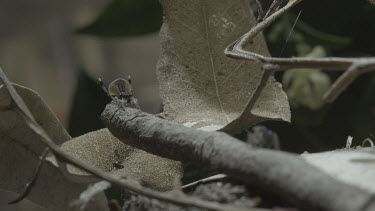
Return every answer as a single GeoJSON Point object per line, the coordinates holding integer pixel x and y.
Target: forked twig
{"type": "Point", "coordinates": [276, 4]}
{"type": "Point", "coordinates": [260, 11]}
{"type": "Point", "coordinates": [353, 66]}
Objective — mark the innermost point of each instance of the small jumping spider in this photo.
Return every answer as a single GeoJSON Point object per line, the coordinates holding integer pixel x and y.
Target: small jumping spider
{"type": "Point", "coordinates": [122, 90]}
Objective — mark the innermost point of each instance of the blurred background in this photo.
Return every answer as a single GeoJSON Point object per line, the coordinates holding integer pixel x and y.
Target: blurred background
{"type": "Point", "coordinates": [60, 48]}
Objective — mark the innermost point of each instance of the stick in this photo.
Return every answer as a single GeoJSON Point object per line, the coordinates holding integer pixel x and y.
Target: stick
{"type": "Point", "coordinates": [354, 66]}
{"type": "Point", "coordinates": [284, 174]}
{"type": "Point", "coordinates": [19, 105]}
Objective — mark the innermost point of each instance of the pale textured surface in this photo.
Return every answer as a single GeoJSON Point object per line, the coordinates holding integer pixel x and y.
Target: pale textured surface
{"type": "Point", "coordinates": [19, 151]}
{"type": "Point", "coordinates": [101, 149]}
{"type": "Point", "coordinates": [354, 167]}
{"type": "Point", "coordinates": [198, 83]}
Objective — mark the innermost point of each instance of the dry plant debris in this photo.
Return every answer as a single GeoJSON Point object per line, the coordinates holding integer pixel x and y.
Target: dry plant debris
{"type": "Point", "coordinates": [200, 87]}
{"type": "Point", "coordinates": [199, 84]}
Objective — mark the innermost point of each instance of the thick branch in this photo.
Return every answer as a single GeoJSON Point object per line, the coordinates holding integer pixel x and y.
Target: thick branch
{"type": "Point", "coordinates": [284, 174]}
{"type": "Point", "coordinates": [19, 105]}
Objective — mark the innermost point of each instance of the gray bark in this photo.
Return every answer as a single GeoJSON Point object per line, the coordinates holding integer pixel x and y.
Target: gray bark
{"type": "Point", "coordinates": [284, 174]}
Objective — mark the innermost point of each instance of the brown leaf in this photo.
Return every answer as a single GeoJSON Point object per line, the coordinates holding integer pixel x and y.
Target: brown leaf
{"type": "Point", "coordinates": [106, 152]}
{"type": "Point", "coordinates": [199, 85]}
{"type": "Point", "coordinates": [20, 148]}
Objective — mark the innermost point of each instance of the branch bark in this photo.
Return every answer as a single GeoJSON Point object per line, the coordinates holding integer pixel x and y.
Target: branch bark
{"type": "Point", "coordinates": [286, 175]}
{"type": "Point", "coordinates": [64, 157]}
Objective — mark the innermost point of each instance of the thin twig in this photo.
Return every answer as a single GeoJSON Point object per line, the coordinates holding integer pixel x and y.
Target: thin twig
{"type": "Point", "coordinates": [260, 11]}
{"type": "Point", "coordinates": [129, 185]}
{"type": "Point", "coordinates": [354, 66]}
{"type": "Point", "coordinates": [204, 181]}
{"type": "Point", "coordinates": [355, 70]}
{"type": "Point", "coordinates": [263, 83]}
{"type": "Point", "coordinates": [273, 8]}
{"type": "Point", "coordinates": [29, 186]}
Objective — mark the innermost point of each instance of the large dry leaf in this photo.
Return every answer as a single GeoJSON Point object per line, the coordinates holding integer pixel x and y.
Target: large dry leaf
{"type": "Point", "coordinates": [106, 152]}
{"type": "Point", "coordinates": [19, 151]}
{"type": "Point", "coordinates": [355, 167]}
{"type": "Point", "coordinates": [199, 85]}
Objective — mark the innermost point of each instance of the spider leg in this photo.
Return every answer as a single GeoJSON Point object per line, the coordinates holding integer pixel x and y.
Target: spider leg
{"type": "Point", "coordinates": [104, 88]}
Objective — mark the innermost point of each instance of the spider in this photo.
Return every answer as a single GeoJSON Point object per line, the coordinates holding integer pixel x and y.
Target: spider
{"type": "Point", "coordinates": [122, 90]}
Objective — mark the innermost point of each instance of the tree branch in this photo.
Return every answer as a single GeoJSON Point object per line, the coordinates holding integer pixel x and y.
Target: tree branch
{"type": "Point", "coordinates": [354, 66]}
{"type": "Point", "coordinates": [19, 105]}
{"type": "Point", "coordinates": [286, 175]}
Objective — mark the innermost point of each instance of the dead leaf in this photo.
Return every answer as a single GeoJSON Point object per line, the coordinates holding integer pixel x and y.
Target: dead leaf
{"type": "Point", "coordinates": [103, 150]}
{"type": "Point", "coordinates": [199, 85]}
{"type": "Point", "coordinates": [20, 148]}
{"type": "Point", "coordinates": [355, 167]}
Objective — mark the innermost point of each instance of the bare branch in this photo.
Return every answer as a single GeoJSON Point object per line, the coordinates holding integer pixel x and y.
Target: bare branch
{"type": "Point", "coordinates": [284, 174]}
{"type": "Point", "coordinates": [354, 66]}
{"type": "Point", "coordinates": [63, 156]}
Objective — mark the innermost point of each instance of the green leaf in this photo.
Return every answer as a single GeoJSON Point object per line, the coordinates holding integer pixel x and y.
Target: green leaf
{"type": "Point", "coordinates": [126, 18]}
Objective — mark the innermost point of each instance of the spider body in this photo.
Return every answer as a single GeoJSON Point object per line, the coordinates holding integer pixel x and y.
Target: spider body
{"type": "Point", "coordinates": [121, 89]}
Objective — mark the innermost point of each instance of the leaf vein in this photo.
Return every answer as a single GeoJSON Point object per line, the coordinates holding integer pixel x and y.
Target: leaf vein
{"type": "Point", "coordinates": [212, 63]}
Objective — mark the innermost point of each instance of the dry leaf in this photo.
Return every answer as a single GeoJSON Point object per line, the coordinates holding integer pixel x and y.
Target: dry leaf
{"type": "Point", "coordinates": [20, 149]}
{"type": "Point", "coordinates": [106, 152]}
{"type": "Point", "coordinates": [199, 85]}
{"type": "Point", "coordinates": [355, 167]}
